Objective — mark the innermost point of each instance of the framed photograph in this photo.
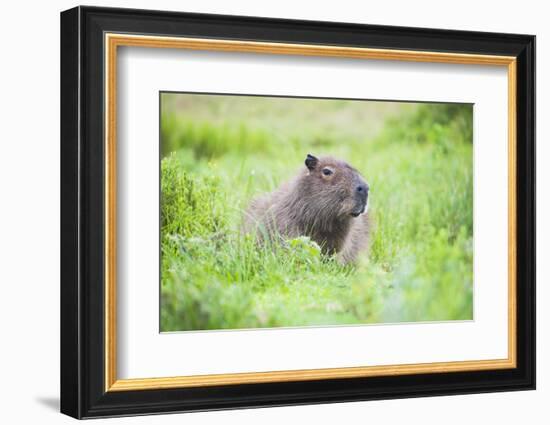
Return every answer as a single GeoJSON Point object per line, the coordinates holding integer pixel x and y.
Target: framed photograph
{"type": "Point", "coordinates": [260, 212]}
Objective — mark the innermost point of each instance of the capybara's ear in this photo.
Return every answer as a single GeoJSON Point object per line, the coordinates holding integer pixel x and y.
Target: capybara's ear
{"type": "Point", "coordinates": [311, 162]}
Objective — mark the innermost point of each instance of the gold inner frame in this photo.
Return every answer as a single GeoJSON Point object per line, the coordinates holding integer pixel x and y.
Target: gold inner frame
{"type": "Point", "coordinates": [113, 41]}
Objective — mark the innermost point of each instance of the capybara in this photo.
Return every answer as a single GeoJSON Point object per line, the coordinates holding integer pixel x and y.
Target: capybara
{"type": "Point", "coordinates": [326, 201]}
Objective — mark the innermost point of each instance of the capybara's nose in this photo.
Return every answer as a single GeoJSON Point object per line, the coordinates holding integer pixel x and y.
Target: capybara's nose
{"type": "Point", "coordinates": [362, 189]}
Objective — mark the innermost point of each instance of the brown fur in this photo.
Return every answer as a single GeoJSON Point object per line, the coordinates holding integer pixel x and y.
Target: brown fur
{"type": "Point", "coordinates": [328, 209]}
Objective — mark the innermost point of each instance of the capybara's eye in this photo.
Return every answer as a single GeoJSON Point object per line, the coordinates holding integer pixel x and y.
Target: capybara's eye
{"type": "Point", "coordinates": [327, 171]}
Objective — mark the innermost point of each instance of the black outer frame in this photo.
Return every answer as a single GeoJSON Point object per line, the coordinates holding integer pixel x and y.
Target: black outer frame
{"type": "Point", "coordinates": [82, 212]}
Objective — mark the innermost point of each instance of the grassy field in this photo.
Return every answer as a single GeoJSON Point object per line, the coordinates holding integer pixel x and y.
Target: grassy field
{"type": "Point", "coordinates": [219, 152]}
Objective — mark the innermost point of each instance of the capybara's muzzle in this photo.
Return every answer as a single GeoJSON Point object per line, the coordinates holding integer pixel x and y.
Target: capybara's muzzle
{"type": "Point", "coordinates": [361, 199]}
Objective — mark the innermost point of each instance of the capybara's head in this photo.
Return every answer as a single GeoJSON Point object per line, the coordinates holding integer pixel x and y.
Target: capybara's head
{"type": "Point", "coordinates": [335, 187]}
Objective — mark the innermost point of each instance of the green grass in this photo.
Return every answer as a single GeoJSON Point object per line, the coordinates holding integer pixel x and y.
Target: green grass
{"type": "Point", "coordinates": [220, 152]}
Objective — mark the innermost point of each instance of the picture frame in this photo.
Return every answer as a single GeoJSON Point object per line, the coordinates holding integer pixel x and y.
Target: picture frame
{"type": "Point", "coordinates": [91, 38]}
